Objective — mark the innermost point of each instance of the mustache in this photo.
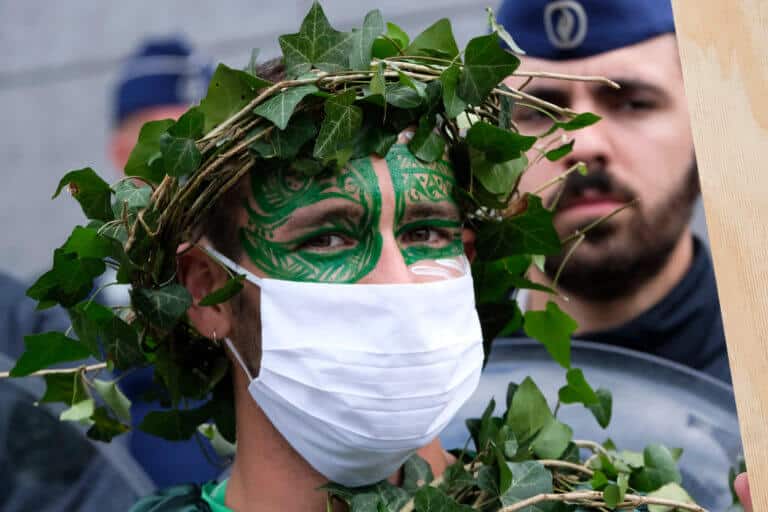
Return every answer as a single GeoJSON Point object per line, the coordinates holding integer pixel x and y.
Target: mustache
{"type": "Point", "coordinates": [599, 180]}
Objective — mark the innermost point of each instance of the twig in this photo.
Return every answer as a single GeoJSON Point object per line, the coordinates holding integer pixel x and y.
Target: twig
{"type": "Point", "coordinates": [591, 445]}
{"type": "Point", "coordinates": [89, 368]}
{"type": "Point", "coordinates": [596, 498]}
{"type": "Point", "coordinates": [557, 179]}
{"type": "Point", "coordinates": [572, 78]}
{"type": "Point", "coordinates": [566, 465]}
{"type": "Point", "coordinates": [568, 255]}
{"type": "Point", "coordinates": [579, 232]}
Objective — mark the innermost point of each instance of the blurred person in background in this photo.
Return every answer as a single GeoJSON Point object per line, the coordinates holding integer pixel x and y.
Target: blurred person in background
{"type": "Point", "coordinates": [640, 280]}
{"type": "Point", "coordinates": [159, 80]}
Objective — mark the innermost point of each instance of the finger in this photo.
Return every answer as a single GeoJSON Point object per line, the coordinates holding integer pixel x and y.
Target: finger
{"type": "Point", "coordinates": [741, 484]}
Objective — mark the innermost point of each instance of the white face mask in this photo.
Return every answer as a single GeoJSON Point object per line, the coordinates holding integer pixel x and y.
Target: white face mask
{"type": "Point", "coordinates": [357, 377]}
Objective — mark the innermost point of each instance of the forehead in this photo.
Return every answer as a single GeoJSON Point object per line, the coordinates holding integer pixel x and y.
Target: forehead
{"type": "Point", "coordinates": [655, 61]}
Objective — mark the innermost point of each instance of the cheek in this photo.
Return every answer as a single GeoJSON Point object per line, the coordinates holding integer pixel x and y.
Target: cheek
{"type": "Point", "coordinates": [538, 175]}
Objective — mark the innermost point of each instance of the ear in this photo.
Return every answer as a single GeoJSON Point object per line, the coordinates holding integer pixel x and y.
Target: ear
{"type": "Point", "coordinates": [468, 239]}
{"type": "Point", "coordinates": [201, 275]}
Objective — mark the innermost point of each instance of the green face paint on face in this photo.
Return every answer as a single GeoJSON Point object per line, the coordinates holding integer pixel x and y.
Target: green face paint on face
{"type": "Point", "coordinates": [417, 184]}
{"type": "Point", "coordinates": [341, 246]}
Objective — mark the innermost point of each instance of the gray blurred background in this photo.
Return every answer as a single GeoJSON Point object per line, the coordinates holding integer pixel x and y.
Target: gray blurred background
{"type": "Point", "coordinates": [59, 62]}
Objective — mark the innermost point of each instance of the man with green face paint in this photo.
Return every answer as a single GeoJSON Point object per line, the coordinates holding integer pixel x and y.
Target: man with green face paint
{"type": "Point", "coordinates": [381, 225]}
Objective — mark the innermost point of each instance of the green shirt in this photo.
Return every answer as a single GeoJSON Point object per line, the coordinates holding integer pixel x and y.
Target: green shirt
{"type": "Point", "coordinates": [214, 493]}
{"type": "Point", "coordinates": [186, 498]}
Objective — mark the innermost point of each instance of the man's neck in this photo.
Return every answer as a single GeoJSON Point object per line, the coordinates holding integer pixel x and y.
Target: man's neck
{"type": "Point", "coordinates": [269, 475]}
{"type": "Point", "coordinates": [598, 316]}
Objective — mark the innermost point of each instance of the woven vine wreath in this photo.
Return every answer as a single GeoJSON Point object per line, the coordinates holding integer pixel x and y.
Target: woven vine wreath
{"type": "Point", "coordinates": [346, 95]}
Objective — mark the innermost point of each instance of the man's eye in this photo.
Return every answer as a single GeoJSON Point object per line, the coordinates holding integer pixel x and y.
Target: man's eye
{"type": "Point", "coordinates": [635, 105]}
{"type": "Point", "coordinates": [528, 115]}
{"type": "Point", "coordinates": [324, 242]}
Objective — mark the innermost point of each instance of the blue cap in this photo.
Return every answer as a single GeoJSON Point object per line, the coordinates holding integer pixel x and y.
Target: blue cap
{"type": "Point", "coordinates": [574, 29]}
{"type": "Point", "coordinates": [162, 71]}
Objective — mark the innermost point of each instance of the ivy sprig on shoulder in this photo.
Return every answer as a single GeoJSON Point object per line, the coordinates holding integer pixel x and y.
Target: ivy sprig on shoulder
{"type": "Point", "coordinates": [345, 95]}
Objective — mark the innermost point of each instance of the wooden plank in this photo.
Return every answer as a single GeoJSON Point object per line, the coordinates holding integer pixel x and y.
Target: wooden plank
{"type": "Point", "coordinates": [724, 51]}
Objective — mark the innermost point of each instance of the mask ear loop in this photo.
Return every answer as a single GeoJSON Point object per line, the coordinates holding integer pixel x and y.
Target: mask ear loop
{"type": "Point", "coordinates": [231, 265]}
{"type": "Point", "coordinates": [239, 359]}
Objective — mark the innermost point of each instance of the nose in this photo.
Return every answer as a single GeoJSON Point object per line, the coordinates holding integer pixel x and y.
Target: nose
{"type": "Point", "coordinates": [391, 267]}
{"type": "Point", "coordinates": [592, 145]}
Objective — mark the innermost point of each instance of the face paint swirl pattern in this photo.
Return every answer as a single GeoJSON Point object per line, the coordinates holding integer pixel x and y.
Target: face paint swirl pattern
{"type": "Point", "coordinates": [311, 254]}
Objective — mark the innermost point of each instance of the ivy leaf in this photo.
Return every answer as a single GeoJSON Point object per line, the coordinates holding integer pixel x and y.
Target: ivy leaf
{"type": "Point", "coordinates": [436, 41]}
{"type": "Point", "coordinates": [101, 330]}
{"type": "Point", "coordinates": [114, 398]}
{"type": "Point", "coordinates": [176, 425]}
{"type": "Point", "coordinates": [146, 150]}
{"type": "Point", "coordinates": [529, 412]}
{"type": "Point", "coordinates": [431, 499]}
{"type": "Point", "coordinates": [68, 282]}
{"type": "Point", "coordinates": [279, 109]}
{"type": "Point", "coordinates": [560, 152]}
{"type": "Point", "coordinates": [373, 138]}
{"type": "Point", "coordinates": [497, 178]}
{"type": "Point", "coordinates": [403, 96]}
{"type": "Point", "coordinates": [130, 197]}
{"type": "Point", "coordinates": [611, 495]}
{"type": "Point", "coordinates": [163, 306]}
{"type": "Point", "coordinates": [599, 481]}
{"type": "Point", "coordinates": [316, 44]}
{"type": "Point", "coordinates": [105, 427]}
{"type": "Point", "coordinates": [577, 390]}
{"type": "Point", "coordinates": [670, 491]}
{"type": "Point", "coordinates": [485, 65]}
{"type": "Point", "coordinates": [498, 144]}
{"type": "Point", "coordinates": [502, 32]}
{"type": "Point", "coordinates": [79, 411]}
{"type": "Point", "coordinates": [457, 477]}
{"type": "Point", "coordinates": [92, 192]}
{"type": "Point", "coordinates": [416, 473]}
{"type": "Point", "coordinates": [221, 446]}
{"type": "Point", "coordinates": [507, 442]}
{"type": "Point", "coordinates": [494, 279]}
{"type": "Point", "coordinates": [60, 387]}
{"type": "Point", "coordinates": [190, 125]}
{"type": "Point", "coordinates": [552, 440]}
{"type": "Point", "coordinates": [228, 92]}
{"type": "Point", "coordinates": [286, 144]}
{"type": "Point", "coordinates": [253, 62]}
{"type": "Point", "coordinates": [497, 318]}
{"type": "Point", "coordinates": [394, 43]}
{"type": "Point", "coordinates": [553, 329]}
{"type": "Point", "coordinates": [88, 243]}
{"type": "Point", "coordinates": [180, 156]}
{"type": "Point", "coordinates": [529, 478]}
{"type": "Point", "coordinates": [602, 409]}
{"type": "Point", "coordinates": [231, 288]}
{"type": "Point", "coordinates": [342, 120]}
{"type": "Point", "coordinates": [530, 232]}
{"type": "Point", "coordinates": [427, 145]}
{"type": "Point", "coordinates": [660, 469]}
{"type": "Point", "coordinates": [454, 105]}
{"type": "Point", "coordinates": [362, 40]}
{"type": "Point", "coordinates": [580, 121]}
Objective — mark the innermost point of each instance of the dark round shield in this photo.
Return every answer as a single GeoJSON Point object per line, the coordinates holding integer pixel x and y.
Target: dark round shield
{"type": "Point", "coordinates": [654, 401]}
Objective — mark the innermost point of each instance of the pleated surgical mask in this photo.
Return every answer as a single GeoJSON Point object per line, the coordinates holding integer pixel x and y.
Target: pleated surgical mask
{"type": "Point", "coordinates": [357, 377]}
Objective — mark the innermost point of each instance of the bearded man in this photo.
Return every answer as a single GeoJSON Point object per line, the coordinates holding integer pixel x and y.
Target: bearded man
{"type": "Point", "coordinates": [641, 279]}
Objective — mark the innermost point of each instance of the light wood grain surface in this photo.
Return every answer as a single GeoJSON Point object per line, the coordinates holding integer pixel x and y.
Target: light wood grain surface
{"type": "Point", "coordinates": [724, 51]}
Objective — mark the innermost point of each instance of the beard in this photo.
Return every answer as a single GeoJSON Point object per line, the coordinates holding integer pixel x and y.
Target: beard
{"type": "Point", "coordinates": [628, 254]}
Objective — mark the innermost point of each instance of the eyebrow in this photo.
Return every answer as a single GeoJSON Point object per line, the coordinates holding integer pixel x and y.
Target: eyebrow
{"type": "Point", "coordinates": [317, 215]}
{"type": "Point", "coordinates": [629, 86]}
{"type": "Point", "coordinates": [419, 211]}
